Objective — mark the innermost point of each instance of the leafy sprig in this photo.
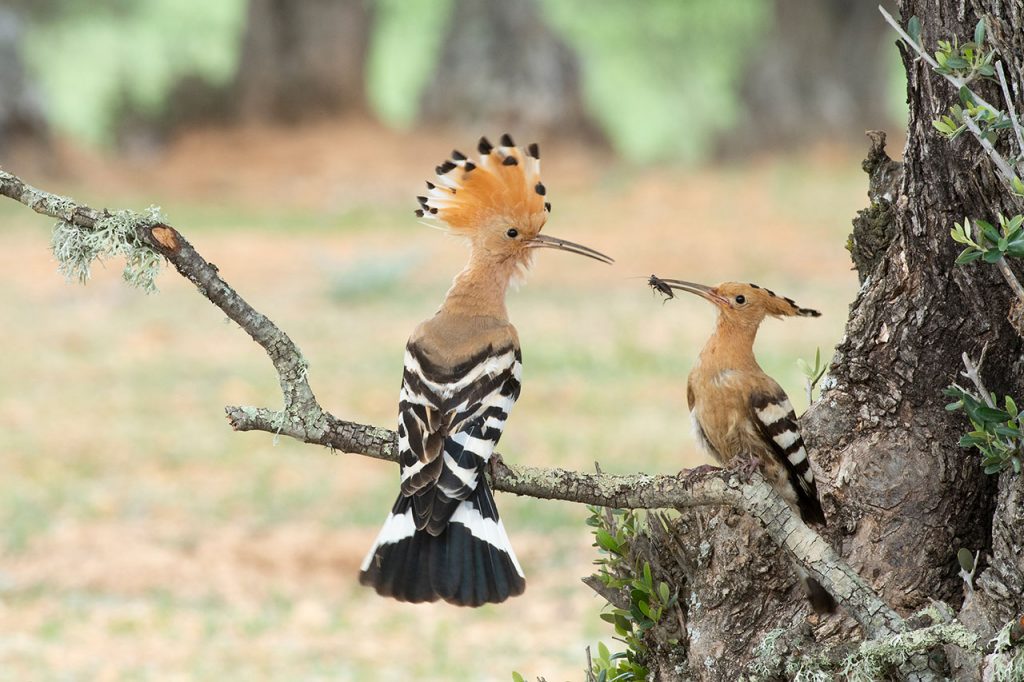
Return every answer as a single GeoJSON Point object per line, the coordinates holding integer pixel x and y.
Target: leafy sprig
{"type": "Point", "coordinates": [987, 242]}
{"type": "Point", "coordinates": [970, 60]}
{"type": "Point", "coordinates": [996, 431]}
{"type": "Point", "coordinates": [648, 599]}
{"type": "Point", "coordinates": [990, 121]}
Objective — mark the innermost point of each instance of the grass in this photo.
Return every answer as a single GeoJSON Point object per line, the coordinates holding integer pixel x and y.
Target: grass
{"type": "Point", "coordinates": [141, 539]}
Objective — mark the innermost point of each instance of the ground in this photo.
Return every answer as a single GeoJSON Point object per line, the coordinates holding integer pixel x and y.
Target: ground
{"type": "Point", "coordinates": [140, 538]}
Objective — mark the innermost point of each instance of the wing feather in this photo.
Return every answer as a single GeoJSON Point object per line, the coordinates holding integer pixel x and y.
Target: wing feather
{"type": "Point", "coordinates": [776, 423]}
{"type": "Point", "coordinates": [450, 420]}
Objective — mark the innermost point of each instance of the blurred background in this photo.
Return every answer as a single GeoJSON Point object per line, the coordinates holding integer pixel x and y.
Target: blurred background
{"type": "Point", "coordinates": [140, 538]}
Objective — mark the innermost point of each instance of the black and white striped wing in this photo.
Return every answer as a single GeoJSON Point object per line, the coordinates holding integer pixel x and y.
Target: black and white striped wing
{"type": "Point", "coordinates": [450, 420]}
{"type": "Point", "coordinates": [775, 419]}
{"type": "Point", "coordinates": [443, 538]}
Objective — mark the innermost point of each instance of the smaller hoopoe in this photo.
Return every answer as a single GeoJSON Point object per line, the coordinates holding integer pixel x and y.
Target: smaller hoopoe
{"type": "Point", "coordinates": [443, 538]}
{"type": "Point", "coordinates": [740, 415]}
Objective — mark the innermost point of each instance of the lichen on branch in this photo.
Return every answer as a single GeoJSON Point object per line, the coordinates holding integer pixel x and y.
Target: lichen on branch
{"type": "Point", "coordinates": [76, 248]}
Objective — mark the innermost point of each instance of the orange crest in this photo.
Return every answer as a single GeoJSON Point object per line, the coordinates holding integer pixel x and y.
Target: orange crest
{"type": "Point", "coordinates": [502, 188]}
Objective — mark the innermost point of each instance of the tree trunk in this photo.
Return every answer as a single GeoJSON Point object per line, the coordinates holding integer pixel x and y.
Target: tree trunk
{"type": "Point", "coordinates": [821, 72]}
{"type": "Point", "coordinates": [901, 496]}
{"type": "Point", "coordinates": [22, 119]}
{"type": "Point", "coordinates": [502, 66]}
{"type": "Point", "coordinates": [303, 59]}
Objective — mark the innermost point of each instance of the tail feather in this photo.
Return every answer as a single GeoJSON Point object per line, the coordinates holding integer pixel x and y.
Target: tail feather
{"type": "Point", "coordinates": [821, 601]}
{"type": "Point", "coordinates": [469, 563]}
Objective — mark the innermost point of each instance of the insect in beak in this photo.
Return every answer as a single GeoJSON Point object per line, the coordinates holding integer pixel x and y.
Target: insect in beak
{"type": "Point", "coordinates": [701, 290]}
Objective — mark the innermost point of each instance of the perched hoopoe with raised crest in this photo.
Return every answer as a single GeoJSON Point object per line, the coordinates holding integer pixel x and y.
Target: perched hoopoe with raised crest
{"type": "Point", "coordinates": [740, 415]}
{"type": "Point", "coordinates": [443, 538]}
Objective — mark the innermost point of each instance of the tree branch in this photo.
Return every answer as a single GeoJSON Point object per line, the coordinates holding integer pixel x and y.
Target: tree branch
{"type": "Point", "coordinates": [304, 419]}
{"type": "Point", "coordinates": [1014, 121]}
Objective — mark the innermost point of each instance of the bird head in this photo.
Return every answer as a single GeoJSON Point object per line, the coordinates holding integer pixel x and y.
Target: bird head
{"type": "Point", "coordinates": [738, 303]}
{"type": "Point", "coordinates": [497, 202]}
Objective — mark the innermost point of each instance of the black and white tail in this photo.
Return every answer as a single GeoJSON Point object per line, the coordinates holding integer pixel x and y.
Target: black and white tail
{"type": "Point", "coordinates": [469, 563]}
{"type": "Point", "coordinates": [775, 419]}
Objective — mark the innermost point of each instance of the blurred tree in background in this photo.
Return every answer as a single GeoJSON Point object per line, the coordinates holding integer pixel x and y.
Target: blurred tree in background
{"type": "Point", "coordinates": [303, 59]}
{"type": "Point", "coordinates": [501, 64]}
{"type": "Point", "coordinates": [21, 112]}
{"type": "Point", "coordinates": [819, 71]}
{"type": "Point", "coordinates": [661, 80]}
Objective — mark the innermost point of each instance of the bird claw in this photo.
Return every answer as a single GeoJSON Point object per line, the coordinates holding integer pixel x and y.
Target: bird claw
{"type": "Point", "coordinates": [702, 470]}
{"type": "Point", "coordinates": [745, 467]}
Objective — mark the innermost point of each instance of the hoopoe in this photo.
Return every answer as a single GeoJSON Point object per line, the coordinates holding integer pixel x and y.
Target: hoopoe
{"type": "Point", "coordinates": [443, 538]}
{"type": "Point", "coordinates": [740, 415]}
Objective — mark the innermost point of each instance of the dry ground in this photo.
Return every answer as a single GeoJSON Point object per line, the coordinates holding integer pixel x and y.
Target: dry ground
{"type": "Point", "coordinates": [141, 539]}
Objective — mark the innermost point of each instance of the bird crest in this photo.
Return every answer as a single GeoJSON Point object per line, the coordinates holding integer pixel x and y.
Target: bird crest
{"type": "Point", "coordinates": [501, 188]}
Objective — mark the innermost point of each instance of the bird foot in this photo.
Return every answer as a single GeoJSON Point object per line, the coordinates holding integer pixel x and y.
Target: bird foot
{"type": "Point", "coordinates": [745, 467]}
{"type": "Point", "coordinates": [702, 470]}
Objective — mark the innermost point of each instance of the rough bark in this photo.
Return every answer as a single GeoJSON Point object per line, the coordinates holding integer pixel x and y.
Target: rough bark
{"type": "Point", "coordinates": [502, 66]}
{"type": "Point", "coordinates": [303, 59]}
{"type": "Point", "coordinates": [904, 495]}
{"type": "Point", "coordinates": [900, 495]}
{"type": "Point", "coordinates": [820, 72]}
{"type": "Point", "coordinates": [22, 118]}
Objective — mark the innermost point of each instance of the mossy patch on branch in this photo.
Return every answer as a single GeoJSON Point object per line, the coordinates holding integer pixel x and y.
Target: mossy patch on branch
{"type": "Point", "coordinates": [76, 248]}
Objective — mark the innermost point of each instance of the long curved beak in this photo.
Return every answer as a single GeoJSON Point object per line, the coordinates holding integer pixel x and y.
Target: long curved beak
{"type": "Point", "coordinates": [545, 242]}
{"type": "Point", "coordinates": [705, 292]}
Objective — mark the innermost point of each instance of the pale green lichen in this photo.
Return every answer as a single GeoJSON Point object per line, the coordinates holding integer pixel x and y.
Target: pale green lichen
{"type": "Point", "coordinates": [874, 659]}
{"type": "Point", "coordinates": [76, 248]}
{"type": "Point", "coordinates": [1007, 660]}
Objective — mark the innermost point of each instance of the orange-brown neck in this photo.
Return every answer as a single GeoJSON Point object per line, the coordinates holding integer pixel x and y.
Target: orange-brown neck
{"type": "Point", "coordinates": [732, 345]}
{"type": "Point", "coordinates": [479, 290]}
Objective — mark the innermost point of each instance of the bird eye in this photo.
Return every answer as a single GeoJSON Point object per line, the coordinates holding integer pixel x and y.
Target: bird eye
{"type": "Point", "coordinates": [741, 299]}
{"type": "Point", "coordinates": [512, 233]}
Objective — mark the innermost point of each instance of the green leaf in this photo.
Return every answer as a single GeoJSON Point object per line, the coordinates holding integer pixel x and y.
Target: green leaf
{"type": "Point", "coordinates": [914, 29]}
{"type": "Point", "coordinates": [967, 255]}
{"type": "Point", "coordinates": [979, 32]}
{"type": "Point", "coordinates": [991, 414]}
{"type": "Point", "coordinates": [606, 541]}
{"type": "Point", "coordinates": [966, 96]}
{"type": "Point", "coordinates": [1018, 185]}
{"type": "Point", "coordinates": [608, 618]}
{"type": "Point", "coordinates": [1016, 250]}
{"type": "Point", "coordinates": [953, 407]}
{"type": "Point", "coordinates": [994, 468]}
{"type": "Point", "coordinates": [966, 559]}
{"type": "Point", "coordinates": [992, 256]}
{"type": "Point", "coordinates": [664, 592]}
{"type": "Point", "coordinates": [971, 441]}
{"type": "Point", "coordinates": [986, 70]}
{"type": "Point", "coordinates": [956, 62]}
{"type": "Point", "coordinates": [516, 677]}
{"type": "Point", "coordinates": [602, 651]}
{"type": "Point", "coordinates": [648, 579]}
{"type": "Point", "coordinates": [987, 229]}
{"type": "Point", "coordinates": [1011, 407]}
